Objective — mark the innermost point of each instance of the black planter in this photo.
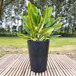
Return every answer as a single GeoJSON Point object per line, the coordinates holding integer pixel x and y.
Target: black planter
{"type": "Point", "coordinates": [38, 53]}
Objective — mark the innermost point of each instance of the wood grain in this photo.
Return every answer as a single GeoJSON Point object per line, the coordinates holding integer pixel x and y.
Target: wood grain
{"type": "Point", "coordinates": [19, 65]}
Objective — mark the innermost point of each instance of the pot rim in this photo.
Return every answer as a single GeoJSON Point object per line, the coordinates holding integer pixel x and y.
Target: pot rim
{"type": "Point", "coordinates": [39, 41]}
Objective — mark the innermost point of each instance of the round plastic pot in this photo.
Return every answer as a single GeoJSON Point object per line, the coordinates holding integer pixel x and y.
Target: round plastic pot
{"type": "Point", "coordinates": [38, 53]}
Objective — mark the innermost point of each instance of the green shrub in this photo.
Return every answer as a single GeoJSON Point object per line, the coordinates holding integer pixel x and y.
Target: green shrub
{"type": "Point", "coordinates": [38, 26]}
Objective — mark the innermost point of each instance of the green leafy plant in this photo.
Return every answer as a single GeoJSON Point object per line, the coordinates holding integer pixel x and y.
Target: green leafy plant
{"type": "Point", "coordinates": [38, 26]}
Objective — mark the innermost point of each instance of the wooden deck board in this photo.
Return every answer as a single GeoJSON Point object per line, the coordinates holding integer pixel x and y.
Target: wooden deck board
{"type": "Point", "coordinates": [19, 65]}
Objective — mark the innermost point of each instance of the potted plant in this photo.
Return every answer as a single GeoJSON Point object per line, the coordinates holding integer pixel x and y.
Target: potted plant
{"type": "Point", "coordinates": [39, 30]}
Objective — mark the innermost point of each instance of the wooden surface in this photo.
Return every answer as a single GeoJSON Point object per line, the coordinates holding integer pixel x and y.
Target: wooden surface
{"type": "Point", "coordinates": [19, 65]}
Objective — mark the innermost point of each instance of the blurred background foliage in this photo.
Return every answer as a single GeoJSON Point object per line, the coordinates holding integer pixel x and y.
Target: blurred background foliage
{"type": "Point", "coordinates": [11, 22]}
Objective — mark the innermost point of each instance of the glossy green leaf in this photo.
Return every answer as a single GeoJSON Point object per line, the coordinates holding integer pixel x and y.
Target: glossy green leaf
{"type": "Point", "coordinates": [39, 26]}
{"type": "Point", "coordinates": [58, 25]}
{"type": "Point", "coordinates": [29, 8]}
{"type": "Point", "coordinates": [48, 14]}
{"type": "Point", "coordinates": [27, 30]}
{"type": "Point", "coordinates": [48, 23]}
{"type": "Point", "coordinates": [53, 36]}
{"type": "Point", "coordinates": [29, 24]}
{"type": "Point", "coordinates": [34, 9]}
{"type": "Point", "coordinates": [38, 19]}
{"type": "Point", "coordinates": [53, 22]}
{"type": "Point", "coordinates": [24, 36]}
{"type": "Point", "coordinates": [39, 12]}
{"type": "Point", "coordinates": [45, 12]}
{"type": "Point", "coordinates": [46, 30]}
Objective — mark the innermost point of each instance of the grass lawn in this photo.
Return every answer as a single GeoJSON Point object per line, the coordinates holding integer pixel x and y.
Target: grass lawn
{"type": "Point", "coordinates": [56, 44]}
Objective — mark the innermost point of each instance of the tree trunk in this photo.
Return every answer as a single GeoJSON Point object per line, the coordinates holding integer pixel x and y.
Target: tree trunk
{"type": "Point", "coordinates": [1, 6]}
